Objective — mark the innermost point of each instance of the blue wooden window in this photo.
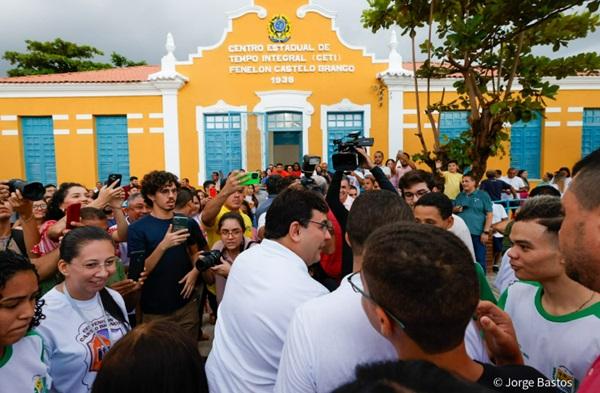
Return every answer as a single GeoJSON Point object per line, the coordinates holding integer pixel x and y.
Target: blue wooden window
{"type": "Point", "coordinates": [452, 124]}
{"type": "Point", "coordinates": [340, 124]}
{"type": "Point", "coordinates": [38, 142]}
{"type": "Point", "coordinates": [525, 145]}
{"type": "Point", "coordinates": [223, 142]}
{"type": "Point", "coordinates": [112, 146]}
{"type": "Point", "coordinates": [591, 131]}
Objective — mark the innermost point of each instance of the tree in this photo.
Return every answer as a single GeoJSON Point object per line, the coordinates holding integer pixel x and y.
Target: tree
{"type": "Point", "coordinates": [490, 44]}
{"type": "Point", "coordinates": [60, 56]}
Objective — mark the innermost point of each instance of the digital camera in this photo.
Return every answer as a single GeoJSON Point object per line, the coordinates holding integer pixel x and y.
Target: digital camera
{"type": "Point", "coordinates": [33, 191]}
{"type": "Point", "coordinates": [208, 259]}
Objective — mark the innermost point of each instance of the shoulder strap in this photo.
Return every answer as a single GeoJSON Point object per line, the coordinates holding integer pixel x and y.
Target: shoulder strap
{"type": "Point", "coordinates": [17, 235]}
{"type": "Point", "coordinates": [111, 306]}
{"type": "Point", "coordinates": [248, 244]}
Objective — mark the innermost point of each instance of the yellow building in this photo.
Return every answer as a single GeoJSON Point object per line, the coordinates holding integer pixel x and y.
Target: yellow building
{"type": "Point", "coordinates": [280, 83]}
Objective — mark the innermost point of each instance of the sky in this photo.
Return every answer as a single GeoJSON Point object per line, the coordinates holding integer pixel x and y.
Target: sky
{"type": "Point", "coordinates": [137, 28]}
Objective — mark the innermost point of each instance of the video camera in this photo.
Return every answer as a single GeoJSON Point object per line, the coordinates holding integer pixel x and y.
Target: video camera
{"type": "Point", "coordinates": [309, 163]}
{"type": "Point", "coordinates": [345, 157]}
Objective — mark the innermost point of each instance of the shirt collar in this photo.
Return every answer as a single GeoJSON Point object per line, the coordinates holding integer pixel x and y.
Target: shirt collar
{"type": "Point", "coordinates": [273, 248]}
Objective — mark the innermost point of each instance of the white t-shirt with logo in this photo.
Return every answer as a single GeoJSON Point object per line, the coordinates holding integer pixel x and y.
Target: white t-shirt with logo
{"type": "Point", "coordinates": [73, 352]}
{"type": "Point", "coordinates": [560, 347]}
{"type": "Point", "coordinates": [22, 367]}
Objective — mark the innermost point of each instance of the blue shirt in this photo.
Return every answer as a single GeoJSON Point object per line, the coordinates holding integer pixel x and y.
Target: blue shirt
{"type": "Point", "coordinates": [161, 293]}
{"type": "Point", "coordinates": [475, 205]}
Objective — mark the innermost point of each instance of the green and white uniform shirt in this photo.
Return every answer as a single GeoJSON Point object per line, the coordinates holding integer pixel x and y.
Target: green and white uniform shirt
{"type": "Point", "coordinates": [563, 348]}
{"type": "Point", "coordinates": [22, 367]}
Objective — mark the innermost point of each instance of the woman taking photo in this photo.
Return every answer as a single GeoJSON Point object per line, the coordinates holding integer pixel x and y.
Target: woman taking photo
{"type": "Point", "coordinates": [22, 367]}
{"type": "Point", "coordinates": [68, 194]}
{"type": "Point", "coordinates": [83, 318]}
{"type": "Point", "coordinates": [474, 206]}
{"type": "Point", "coordinates": [231, 229]}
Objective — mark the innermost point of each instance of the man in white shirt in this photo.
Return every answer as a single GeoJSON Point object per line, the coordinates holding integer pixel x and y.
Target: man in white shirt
{"type": "Point", "coordinates": [378, 158]}
{"type": "Point", "coordinates": [515, 181]}
{"type": "Point", "coordinates": [345, 197]}
{"type": "Point", "coordinates": [264, 287]}
{"type": "Point", "coordinates": [415, 184]}
{"type": "Point", "coordinates": [330, 335]}
{"type": "Point", "coordinates": [435, 208]}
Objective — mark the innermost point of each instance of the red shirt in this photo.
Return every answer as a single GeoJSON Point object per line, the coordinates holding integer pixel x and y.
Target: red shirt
{"type": "Point", "coordinates": [332, 263]}
{"type": "Point", "coordinates": [591, 383]}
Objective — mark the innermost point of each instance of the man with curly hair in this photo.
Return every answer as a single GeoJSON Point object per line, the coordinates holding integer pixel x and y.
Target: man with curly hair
{"type": "Point", "coordinates": [166, 255]}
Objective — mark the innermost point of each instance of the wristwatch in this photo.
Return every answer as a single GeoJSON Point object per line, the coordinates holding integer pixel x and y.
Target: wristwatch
{"type": "Point", "coordinates": [486, 232]}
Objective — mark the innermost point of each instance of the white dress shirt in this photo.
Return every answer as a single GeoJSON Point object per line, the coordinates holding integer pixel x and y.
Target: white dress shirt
{"type": "Point", "coordinates": [329, 336]}
{"type": "Point", "coordinates": [264, 287]}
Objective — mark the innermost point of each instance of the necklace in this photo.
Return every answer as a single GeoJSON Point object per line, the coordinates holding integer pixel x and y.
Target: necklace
{"type": "Point", "coordinates": [586, 302]}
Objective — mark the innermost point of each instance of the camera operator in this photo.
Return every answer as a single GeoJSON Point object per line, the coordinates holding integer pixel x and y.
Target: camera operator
{"type": "Point", "coordinates": [217, 264]}
{"type": "Point", "coordinates": [338, 208]}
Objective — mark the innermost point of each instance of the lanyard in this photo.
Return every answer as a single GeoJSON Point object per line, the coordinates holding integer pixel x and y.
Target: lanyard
{"type": "Point", "coordinates": [8, 242]}
{"type": "Point", "coordinates": [87, 321]}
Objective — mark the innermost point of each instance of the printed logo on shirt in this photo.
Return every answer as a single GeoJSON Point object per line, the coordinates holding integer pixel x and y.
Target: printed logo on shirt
{"type": "Point", "coordinates": [566, 381]}
{"type": "Point", "coordinates": [97, 345]}
{"type": "Point", "coordinates": [39, 384]}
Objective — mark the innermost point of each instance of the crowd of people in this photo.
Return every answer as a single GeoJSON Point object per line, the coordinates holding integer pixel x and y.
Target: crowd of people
{"type": "Point", "coordinates": [317, 280]}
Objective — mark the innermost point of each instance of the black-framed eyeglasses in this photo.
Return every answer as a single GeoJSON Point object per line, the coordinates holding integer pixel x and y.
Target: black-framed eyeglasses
{"type": "Point", "coordinates": [325, 225]}
{"type": "Point", "coordinates": [418, 194]}
{"type": "Point", "coordinates": [356, 284]}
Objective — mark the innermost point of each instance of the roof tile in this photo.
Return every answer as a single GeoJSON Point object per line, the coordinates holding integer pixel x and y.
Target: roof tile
{"type": "Point", "coordinates": [112, 75]}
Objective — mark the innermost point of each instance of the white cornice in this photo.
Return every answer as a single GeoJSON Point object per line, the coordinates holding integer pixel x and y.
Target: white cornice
{"type": "Point", "coordinates": [168, 84]}
{"type": "Point", "coordinates": [261, 12]}
{"type": "Point", "coordinates": [407, 83]}
{"type": "Point", "coordinates": [310, 7]}
{"type": "Point", "coordinates": [21, 90]}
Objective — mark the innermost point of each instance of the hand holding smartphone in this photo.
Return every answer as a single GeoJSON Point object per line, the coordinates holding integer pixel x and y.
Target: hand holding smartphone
{"type": "Point", "coordinates": [249, 178]}
{"type": "Point", "coordinates": [73, 214]}
{"type": "Point", "coordinates": [114, 177]}
{"type": "Point", "coordinates": [179, 223]}
{"type": "Point", "coordinates": [137, 263]}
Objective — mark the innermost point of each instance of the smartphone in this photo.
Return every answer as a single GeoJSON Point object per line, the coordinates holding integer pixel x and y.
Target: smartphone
{"type": "Point", "coordinates": [137, 262]}
{"type": "Point", "coordinates": [250, 178]}
{"type": "Point", "coordinates": [179, 223]}
{"type": "Point", "coordinates": [112, 177]}
{"type": "Point", "coordinates": [212, 192]}
{"type": "Point", "coordinates": [73, 213]}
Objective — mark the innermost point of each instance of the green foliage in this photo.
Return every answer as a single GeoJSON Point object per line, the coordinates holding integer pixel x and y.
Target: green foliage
{"type": "Point", "coordinates": [490, 44]}
{"type": "Point", "coordinates": [60, 56]}
{"type": "Point", "coordinates": [121, 61]}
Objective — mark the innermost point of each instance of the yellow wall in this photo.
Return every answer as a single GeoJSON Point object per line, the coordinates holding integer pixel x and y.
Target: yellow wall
{"type": "Point", "coordinates": [76, 154]}
{"type": "Point", "coordinates": [560, 145]}
{"type": "Point", "coordinates": [210, 81]}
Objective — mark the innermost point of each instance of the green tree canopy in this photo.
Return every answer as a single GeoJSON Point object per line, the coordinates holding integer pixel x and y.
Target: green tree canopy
{"type": "Point", "coordinates": [490, 43]}
{"type": "Point", "coordinates": [58, 56]}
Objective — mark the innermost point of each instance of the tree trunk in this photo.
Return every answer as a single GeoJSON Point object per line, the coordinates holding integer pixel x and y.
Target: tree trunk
{"type": "Point", "coordinates": [485, 131]}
